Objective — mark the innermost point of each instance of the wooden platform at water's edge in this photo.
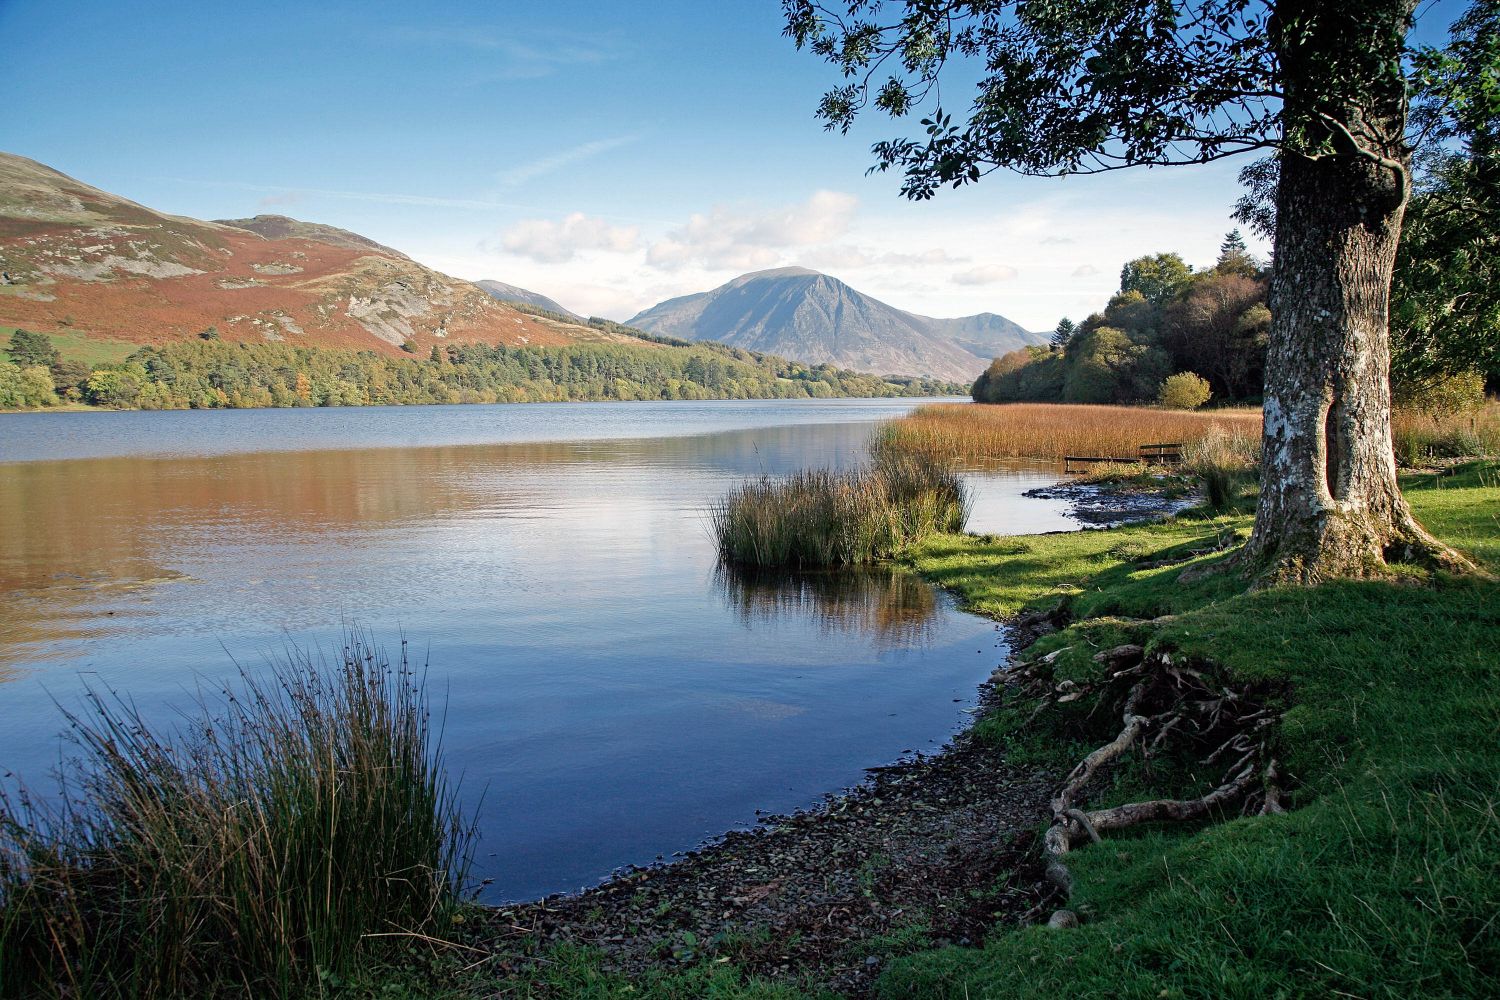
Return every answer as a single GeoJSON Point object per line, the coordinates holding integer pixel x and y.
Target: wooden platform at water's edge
{"type": "Point", "coordinates": [1147, 454]}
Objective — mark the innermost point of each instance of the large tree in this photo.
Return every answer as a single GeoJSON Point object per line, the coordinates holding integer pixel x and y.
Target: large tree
{"type": "Point", "coordinates": [1084, 86]}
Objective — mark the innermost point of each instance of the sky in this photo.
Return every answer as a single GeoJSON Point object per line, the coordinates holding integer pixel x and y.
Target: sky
{"type": "Point", "coordinates": [609, 155]}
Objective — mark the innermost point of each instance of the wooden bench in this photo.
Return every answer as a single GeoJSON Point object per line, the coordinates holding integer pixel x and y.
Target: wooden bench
{"type": "Point", "coordinates": [1162, 454]}
{"type": "Point", "coordinates": [1147, 454]}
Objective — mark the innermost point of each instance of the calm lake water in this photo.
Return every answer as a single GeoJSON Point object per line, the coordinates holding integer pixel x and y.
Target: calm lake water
{"type": "Point", "coordinates": [610, 691]}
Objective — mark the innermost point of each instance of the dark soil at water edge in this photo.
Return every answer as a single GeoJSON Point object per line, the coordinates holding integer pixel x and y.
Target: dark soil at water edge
{"type": "Point", "coordinates": [1109, 504]}
{"type": "Point", "coordinates": [822, 898]}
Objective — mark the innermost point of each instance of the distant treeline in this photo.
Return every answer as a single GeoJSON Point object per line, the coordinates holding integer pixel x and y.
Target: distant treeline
{"type": "Point", "coordinates": [211, 373]}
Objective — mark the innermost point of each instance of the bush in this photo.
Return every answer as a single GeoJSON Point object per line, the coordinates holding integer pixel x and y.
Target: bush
{"type": "Point", "coordinates": [1443, 398]}
{"type": "Point", "coordinates": [22, 388]}
{"type": "Point", "coordinates": [287, 833]}
{"type": "Point", "coordinates": [1184, 391]}
{"type": "Point", "coordinates": [821, 518]}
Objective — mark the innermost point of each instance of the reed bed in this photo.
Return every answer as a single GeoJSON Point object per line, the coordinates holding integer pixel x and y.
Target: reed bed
{"type": "Point", "coordinates": [1423, 438]}
{"type": "Point", "coordinates": [299, 824]}
{"type": "Point", "coordinates": [821, 518]}
{"type": "Point", "coordinates": [975, 433]}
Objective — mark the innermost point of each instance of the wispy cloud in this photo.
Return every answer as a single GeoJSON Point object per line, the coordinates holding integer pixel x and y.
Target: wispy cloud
{"type": "Point", "coordinates": [515, 57]}
{"type": "Point", "coordinates": [516, 176]}
{"type": "Point", "coordinates": [282, 195]}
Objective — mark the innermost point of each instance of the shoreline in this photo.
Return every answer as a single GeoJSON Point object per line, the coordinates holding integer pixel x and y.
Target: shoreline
{"type": "Point", "coordinates": [826, 895]}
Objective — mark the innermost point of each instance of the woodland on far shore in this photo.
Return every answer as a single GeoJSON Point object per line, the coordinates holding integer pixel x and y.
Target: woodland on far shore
{"type": "Point", "coordinates": [1184, 338]}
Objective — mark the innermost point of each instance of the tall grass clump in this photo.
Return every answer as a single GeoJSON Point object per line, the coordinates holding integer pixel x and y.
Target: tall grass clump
{"type": "Point", "coordinates": [818, 518]}
{"type": "Point", "coordinates": [297, 825]}
{"type": "Point", "coordinates": [1224, 463]}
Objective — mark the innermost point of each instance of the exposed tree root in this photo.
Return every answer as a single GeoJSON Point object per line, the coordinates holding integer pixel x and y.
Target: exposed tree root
{"type": "Point", "coordinates": [1163, 701]}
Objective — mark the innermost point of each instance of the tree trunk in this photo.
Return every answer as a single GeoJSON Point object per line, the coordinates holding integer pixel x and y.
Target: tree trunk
{"type": "Point", "coordinates": [1329, 503]}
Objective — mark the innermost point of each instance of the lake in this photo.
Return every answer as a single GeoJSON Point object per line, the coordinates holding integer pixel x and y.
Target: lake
{"type": "Point", "coordinates": [611, 694]}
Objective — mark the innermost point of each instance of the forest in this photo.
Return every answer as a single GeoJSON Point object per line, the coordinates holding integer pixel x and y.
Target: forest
{"type": "Point", "coordinates": [210, 373]}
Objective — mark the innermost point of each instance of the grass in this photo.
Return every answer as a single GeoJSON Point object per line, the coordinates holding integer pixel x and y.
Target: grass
{"type": "Point", "coordinates": [822, 518]}
{"type": "Point", "coordinates": [1382, 882]}
{"type": "Point", "coordinates": [301, 825]}
{"type": "Point", "coordinates": [1422, 438]}
{"type": "Point", "coordinates": [978, 432]}
{"type": "Point", "coordinates": [74, 346]}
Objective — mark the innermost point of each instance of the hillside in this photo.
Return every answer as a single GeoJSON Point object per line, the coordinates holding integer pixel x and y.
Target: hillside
{"type": "Point", "coordinates": [816, 319]}
{"type": "Point", "coordinates": [82, 261]}
{"type": "Point", "coordinates": [986, 335]}
{"type": "Point", "coordinates": [515, 293]}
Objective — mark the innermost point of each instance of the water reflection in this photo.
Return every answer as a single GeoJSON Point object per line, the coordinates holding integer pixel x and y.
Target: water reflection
{"type": "Point", "coordinates": [617, 695]}
{"type": "Point", "coordinates": [892, 605]}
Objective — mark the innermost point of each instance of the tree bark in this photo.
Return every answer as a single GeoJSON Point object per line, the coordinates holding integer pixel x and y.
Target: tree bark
{"type": "Point", "coordinates": [1329, 501]}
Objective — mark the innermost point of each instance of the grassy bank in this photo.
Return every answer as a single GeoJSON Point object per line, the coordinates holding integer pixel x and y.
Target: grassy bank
{"type": "Point", "coordinates": [298, 827]}
{"type": "Point", "coordinates": [1381, 879]}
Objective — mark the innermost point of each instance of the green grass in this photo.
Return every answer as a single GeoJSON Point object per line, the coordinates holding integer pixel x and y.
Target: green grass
{"type": "Point", "coordinates": [1384, 881]}
{"type": "Point", "coordinates": [298, 826]}
{"type": "Point", "coordinates": [74, 346]}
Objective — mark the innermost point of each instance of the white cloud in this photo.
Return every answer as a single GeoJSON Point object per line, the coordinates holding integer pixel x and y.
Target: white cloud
{"type": "Point", "coordinates": [728, 239]}
{"type": "Point", "coordinates": [1085, 271]}
{"type": "Point", "coordinates": [554, 242]}
{"type": "Point", "coordinates": [985, 274]}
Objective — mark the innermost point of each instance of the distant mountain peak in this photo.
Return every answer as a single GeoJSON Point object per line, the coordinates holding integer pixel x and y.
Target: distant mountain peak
{"type": "Point", "coordinates": [792, 271]}
{"type": "Point", "coordinates": [824, 320]}
{"type": "Point", "coordinates": [515, 293]}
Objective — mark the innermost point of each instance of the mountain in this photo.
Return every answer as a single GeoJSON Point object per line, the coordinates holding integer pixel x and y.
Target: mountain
{"type": "Point", "coordinates": [987, 335]}
{"type": "Point", "coordinates": [77, 258]}
{"type": "Point", "coordinates": [816, 319]}
{"type": "Point", "coordinates": [515, 293]}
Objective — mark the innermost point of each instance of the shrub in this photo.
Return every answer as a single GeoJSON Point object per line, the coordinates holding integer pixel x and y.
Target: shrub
{"type": "Point", "coordinates": [286, 833]}
{"type": "Point", "coordinates": [1184, 391]}
{"type": "Point", "coordinates": [818, 518]}
{"type": "Point", "coordinates": [1443, 398]}
{"type": "Point", "coordinates": [21, 388]}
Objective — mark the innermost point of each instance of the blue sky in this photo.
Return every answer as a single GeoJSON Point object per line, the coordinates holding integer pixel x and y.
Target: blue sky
{"type": "Point", "coordinates": [607, 154]}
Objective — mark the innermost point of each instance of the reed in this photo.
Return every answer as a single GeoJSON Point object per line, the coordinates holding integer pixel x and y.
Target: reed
{"type": "Point", "coordinates": [976, 433]}
{"type": "Point", "coordinates": [299, 824]}
{"type": "Point", "coordinates": [1422, 438]}
{"type": "Point", "coordinates": [821, 518]}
